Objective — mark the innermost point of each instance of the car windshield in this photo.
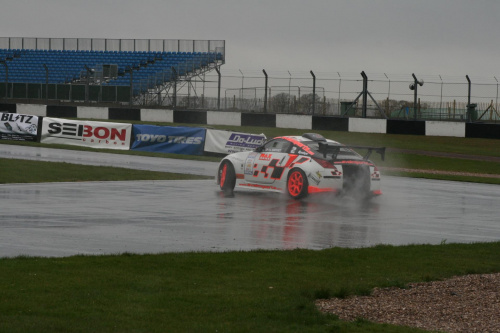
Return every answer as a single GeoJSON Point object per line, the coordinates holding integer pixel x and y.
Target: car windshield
{"type": "Point", "coordinates": [344, 152]}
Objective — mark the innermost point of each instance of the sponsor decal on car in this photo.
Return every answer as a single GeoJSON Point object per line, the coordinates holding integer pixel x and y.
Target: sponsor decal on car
{"type": "Point", "coordinates": [265, 157]}
{"type": "Point", "coordinates": [249, 163]}
{"type": "Point", "coordinates": [316, 178]}
{"type": "Point", "coordinates": [298, 144]}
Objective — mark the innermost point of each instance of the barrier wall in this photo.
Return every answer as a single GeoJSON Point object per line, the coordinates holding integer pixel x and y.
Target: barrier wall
{"type": "Point", "coordinates": [224, 118]}
{"type": "Point", "coordinates": [157, 115]}
{"type": "Point", "coordinates": [365, 125]}
{"type": "Point", "coordinates": [293, 121]}
{"type": "Point", "coordinates": [444, 128]}
{"type": "Point", "coordinates": [89, 113]}
{"type": "Point", "coordinates": [306, 122]}
{"type": "Point", "coordinates": [33, 109]}
{"type": "Point", "coordinates": [406, 127]}
{"type": "Point", "coordinates": [185, 140]}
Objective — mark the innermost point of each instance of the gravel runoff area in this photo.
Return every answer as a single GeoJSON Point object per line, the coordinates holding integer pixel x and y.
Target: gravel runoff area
{"type": "Point", "coordinates": [469, 303]}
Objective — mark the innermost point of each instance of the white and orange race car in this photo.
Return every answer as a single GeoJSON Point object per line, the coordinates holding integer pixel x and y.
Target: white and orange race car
{"type": "Point", "coordinates": [302, 165]}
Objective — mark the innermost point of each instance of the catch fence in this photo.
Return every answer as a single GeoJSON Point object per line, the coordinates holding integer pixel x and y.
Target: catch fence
{"type": "Point", "coordinates": [339, 94]}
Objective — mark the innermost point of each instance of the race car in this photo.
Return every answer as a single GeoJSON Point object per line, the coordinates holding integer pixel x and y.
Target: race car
{"type": "Point", "coordinates": [302, 165]}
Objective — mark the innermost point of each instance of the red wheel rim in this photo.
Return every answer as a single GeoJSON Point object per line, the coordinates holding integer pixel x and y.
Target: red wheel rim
{"type": "Point", "coordinates": [223, 175]}
{"type": "Point", "coordinates": [295, 183]}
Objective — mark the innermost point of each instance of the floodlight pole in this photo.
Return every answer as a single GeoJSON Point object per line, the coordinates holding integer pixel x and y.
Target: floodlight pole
{"type": "Point", "coordinates": [415, 85]}
{"type": "Point", "coordinates": [265, 92]}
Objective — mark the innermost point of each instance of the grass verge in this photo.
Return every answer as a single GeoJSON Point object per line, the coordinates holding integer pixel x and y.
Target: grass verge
{"type": "Point", "coordinates": [26, 171]}
{"type": "Point", "coordinates": [257, 291]}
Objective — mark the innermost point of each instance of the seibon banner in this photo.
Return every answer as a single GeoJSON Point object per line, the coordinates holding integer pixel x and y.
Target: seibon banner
{"type": "Point", "coordinates": [86, 133]}
{"type": "Point", "coordinates": [19, 127]}
{"type": "Point", "coordinates": [227, 142]}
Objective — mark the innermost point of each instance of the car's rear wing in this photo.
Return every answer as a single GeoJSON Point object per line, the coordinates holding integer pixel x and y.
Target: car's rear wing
{"type": "Point", "coordinates": [326, 148]}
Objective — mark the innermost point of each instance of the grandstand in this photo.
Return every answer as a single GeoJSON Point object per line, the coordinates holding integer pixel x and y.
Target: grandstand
{"type": "Point", "coordinates": [131, 71]}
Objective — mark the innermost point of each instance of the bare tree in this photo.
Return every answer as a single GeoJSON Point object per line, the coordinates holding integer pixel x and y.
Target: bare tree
{"type": "Point", "coordinates": [280, 102]}
{"type": "Point", "coordinates": [306, 102]}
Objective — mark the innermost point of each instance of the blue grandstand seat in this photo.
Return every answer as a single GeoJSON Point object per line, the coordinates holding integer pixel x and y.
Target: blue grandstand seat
{"type": "Point", "coordinates": [27, 65]}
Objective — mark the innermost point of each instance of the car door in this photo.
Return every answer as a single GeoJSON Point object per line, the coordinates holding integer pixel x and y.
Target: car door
{"type": "Point", "coordinates": [265, 166]}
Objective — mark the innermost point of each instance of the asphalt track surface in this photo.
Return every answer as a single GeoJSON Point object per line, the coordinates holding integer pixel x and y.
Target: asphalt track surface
{"type": "Point", "coordinates": [62, 219]}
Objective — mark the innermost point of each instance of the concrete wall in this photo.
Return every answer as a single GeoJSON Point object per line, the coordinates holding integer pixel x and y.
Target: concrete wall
{"type": "Point", "coordinates": [92, 112]}
{"type": "Point", "coordinates": [155, 115]}
{"type": "Point", "coordinates": [33, 109]}
{"type": "Point", "coordinates": [365, 125]}
{"type": "Point", "coordinates": [293, 121]}
{"type": "Point", "coordinates": [223, 118]}
{"type": "Point", "coordinates": [444, 128]}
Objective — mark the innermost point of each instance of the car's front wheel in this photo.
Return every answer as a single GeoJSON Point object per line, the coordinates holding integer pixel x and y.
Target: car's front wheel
{"type": "Point", "coordinates": [227, 176]}
{"type": "Point", "coordinates": [297, 184]}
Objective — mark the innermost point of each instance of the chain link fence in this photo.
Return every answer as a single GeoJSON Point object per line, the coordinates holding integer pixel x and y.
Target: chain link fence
{"type": "Point", "coordinates": [339, 94]}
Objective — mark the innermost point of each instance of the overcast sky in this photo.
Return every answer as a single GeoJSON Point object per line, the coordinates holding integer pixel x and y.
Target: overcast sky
{"type": "Point", "coordinates": [447, 37]}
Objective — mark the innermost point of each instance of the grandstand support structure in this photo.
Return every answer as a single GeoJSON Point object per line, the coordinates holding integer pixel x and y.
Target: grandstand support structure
{"type": "Point", "coordinates": [166, 94]}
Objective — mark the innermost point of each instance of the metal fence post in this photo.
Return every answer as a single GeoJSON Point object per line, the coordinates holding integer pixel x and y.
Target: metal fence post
{"type": "Point", "coordinates": [469, 89]}
{"type": "Point", "coordinates": [174, 98]}
{"type": "Point", "coordinates": [314, 92]}
{"type": "Point", "coordinates": [265, 91]}
{"type": "Point", "coordinates": [218, 87]}
{"type": "Point", "coordinates": [6, 77]}
{"type": "Point", "coordinates": [46, 82]}
{"type": "Point", "coordinates": [338, 101]}
{"type": "Point", "coordinates": [365, 94]}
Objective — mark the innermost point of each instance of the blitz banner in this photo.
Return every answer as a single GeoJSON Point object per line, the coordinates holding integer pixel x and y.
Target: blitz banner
{"type": "Point", "coordinates": [167, 139]}
{"type": "Point", "coordinates": [19, 127]}
{"type": "Point", "coordinates": [86, 133]}
{"type": "Point", "coordinates": [227, 142]}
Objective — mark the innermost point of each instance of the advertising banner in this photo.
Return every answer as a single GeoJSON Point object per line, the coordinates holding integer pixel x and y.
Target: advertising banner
{"type": "Point", "coordinates": [167, 139]}
{"type": "Point", "coordinates": [19, 127]}
{"type": "Point", "coordinates": [227, 142]}
{"type": "Point", "coordinates": [86, 133]}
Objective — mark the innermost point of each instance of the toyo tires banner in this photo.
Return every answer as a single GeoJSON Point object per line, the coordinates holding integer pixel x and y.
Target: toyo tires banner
{"type": "Point", "coordinates": [227, 142]}
{"type": "Point", "coordinates": [19, 127]}
{"type": "Point", "coordinates": [166, 139]}
{"type": "Point", "coordinates": [86, 133]}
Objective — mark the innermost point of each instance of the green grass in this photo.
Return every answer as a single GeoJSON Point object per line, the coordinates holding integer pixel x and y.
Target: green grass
{"type": "Point", "coordinates": [26, 171]}
{"type": "Point", "coordinates": [485, 147]}
{"type": "Point", "coordinates": [257, 291]}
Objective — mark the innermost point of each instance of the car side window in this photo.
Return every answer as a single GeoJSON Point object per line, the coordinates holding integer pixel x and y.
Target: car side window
{"type": "Point", "coordinates": [277, 146]}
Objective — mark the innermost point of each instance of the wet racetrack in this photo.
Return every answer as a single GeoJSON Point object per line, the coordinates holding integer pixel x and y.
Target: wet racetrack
{"type": "Point", "coordinates": [62, 219]}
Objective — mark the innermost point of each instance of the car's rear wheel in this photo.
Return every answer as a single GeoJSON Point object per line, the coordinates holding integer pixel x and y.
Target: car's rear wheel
{"type": "Point", "coordinates": [297, 184]}
{"type": "Point", "coordinates": [227, 176]}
